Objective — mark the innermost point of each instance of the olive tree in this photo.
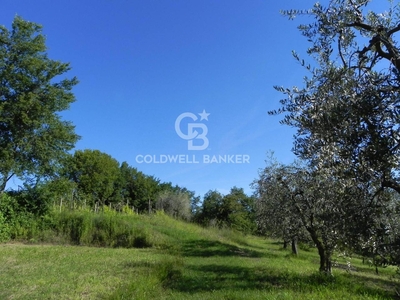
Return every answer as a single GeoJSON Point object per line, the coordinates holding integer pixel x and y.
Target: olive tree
{"type": "Point", "coordinates": [347, 113]}
{"type": "Point", "coordinates": [295, 198]}
{"type": "Point", "coordinates": [275, 215]}
{"type": "Point", "coordinates": [174, 203]}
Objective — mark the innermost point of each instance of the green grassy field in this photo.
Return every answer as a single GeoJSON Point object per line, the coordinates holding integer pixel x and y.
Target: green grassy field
{"type": "Point", "coordinates": [187, 262]}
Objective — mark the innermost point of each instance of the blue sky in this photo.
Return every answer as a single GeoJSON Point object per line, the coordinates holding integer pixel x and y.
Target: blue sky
{"type": "Point", "coordinates": [141, 64]}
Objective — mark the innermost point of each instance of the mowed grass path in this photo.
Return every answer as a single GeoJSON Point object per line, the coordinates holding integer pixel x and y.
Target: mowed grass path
{"type": "Point", "coordinates": [195, 263]}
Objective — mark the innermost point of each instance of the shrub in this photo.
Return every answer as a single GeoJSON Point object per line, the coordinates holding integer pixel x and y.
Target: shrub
{"type": "Point", "coordinates": [4, 229]}
{"type": "Point", "coordinates": [16, 223]}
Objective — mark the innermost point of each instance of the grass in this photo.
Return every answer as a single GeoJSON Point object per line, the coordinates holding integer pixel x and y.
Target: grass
{"type": "Point", "coordinates": [184, 261]}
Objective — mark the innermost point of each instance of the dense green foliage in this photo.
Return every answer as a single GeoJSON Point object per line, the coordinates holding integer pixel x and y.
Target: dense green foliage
{"type": "Point", "coordinates": [94, 174]}
{"type": "Point", "coordinates": [234, 210]}
{"type": "Point", "coordinates": [33, 138]}
{"type": "Point", "coordinates": [347, 113]}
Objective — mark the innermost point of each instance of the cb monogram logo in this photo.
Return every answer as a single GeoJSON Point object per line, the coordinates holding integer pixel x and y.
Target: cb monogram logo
{"type": "Point", "coordinates": [192, 133]}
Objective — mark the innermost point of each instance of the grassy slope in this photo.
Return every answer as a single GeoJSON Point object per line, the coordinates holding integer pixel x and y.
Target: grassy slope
{"type": "Point", "coordinates": [189, 262]}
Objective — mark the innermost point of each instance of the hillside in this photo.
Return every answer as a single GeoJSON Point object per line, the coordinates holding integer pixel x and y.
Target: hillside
{"type": "Point", "coordinates": [179, 260]}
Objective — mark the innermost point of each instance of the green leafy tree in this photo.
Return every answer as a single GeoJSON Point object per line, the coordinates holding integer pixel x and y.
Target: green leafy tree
{"type": "Point", "coordinates": [234, 210]}
{"type": "Point", "coordinates": [132, 187]}
{"type": "Point", "coordinates": [183, 193]}
{"type": "Point", "coordinates": [121, 192]}
{"type": "Point", "coordinates": [210, 210]}
{"type": "Point", "coordinates": [333, 212]}
{"type": "Point", "coordinates": [144, 190]}
{"type": "Point", "coordinates": [348, 111]}
{"type": "Point", "coordinates": [379, 241]}
{"type": "Point", "coordinates": [195, 205]}
{"type": "Point", "coordinates": [95, 174]}
{"type": "Point", "coordinates": [276, 216]}
{"type": "Point", "coordinates": [33, 138]}
{"type": "Point", "coordinates": [237, 210]}
{"type": "Point", "coordinates": [174, 203]}
{"type": "Point", "coordinates": [38, 199]}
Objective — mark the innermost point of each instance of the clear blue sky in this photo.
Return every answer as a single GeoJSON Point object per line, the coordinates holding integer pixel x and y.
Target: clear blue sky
{"type": "Point", "coordinates": [141, 64]}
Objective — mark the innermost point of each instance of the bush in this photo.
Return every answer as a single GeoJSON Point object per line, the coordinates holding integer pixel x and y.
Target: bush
{"type": "Point", "coordinates": [4, 229]}
{"type": "Point", "coordinates": [16, 223]}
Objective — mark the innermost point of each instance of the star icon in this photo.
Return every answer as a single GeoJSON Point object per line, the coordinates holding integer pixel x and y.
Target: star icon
{"type": "Point", "coordinates": [204, 115]}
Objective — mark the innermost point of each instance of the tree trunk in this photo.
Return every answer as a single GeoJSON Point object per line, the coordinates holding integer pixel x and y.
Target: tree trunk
{"type": "Point", "coordinates": [325, 260]}
{"type": "Point", "coordinates": [4, 179]}
{"type": "Point", "coordinates": [294, 246]}
{"type": "Point", "coordinates": [325, 257]}
{"type": "Point", "coordinates": [149, 207]}
{"type": "Point", "coordinates": [285, 244]}
{"type": "Point", "coordinates": [327, 266]}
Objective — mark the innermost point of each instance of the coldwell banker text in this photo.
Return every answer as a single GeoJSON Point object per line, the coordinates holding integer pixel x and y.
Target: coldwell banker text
{"type": "Point", "coordinates": [195, 134]}
{"type": "Point", "coordinates": [193, 159]}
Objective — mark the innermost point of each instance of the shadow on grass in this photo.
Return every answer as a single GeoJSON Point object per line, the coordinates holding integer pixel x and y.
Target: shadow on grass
{"type": "Point", "coordinates": [387, 283]}
{"type": "Point", "coordinates": [368, 269]}
{"type": "Point", "coordinates": [276, 243]}
{"type": "Point", "coordinates": [222, 277]}
{"type": "Point", "coordinates": [206, 248]}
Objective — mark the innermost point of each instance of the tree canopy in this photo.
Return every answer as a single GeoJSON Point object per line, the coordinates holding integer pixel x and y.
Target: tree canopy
{"type": "Point", "coordinates": [234, 210]}
{"type": "Point", "coordinates": [95, 174]}
{"type": "Point", "coordinates": [348, 111]}
{"type": "Point", "coordinates": [33, 137]}
{"type": "Point", "coordinates": [294, 199]}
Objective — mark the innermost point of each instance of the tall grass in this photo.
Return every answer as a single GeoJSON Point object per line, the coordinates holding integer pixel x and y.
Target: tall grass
{"type": "Point", "coordinates": [104, 229]}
